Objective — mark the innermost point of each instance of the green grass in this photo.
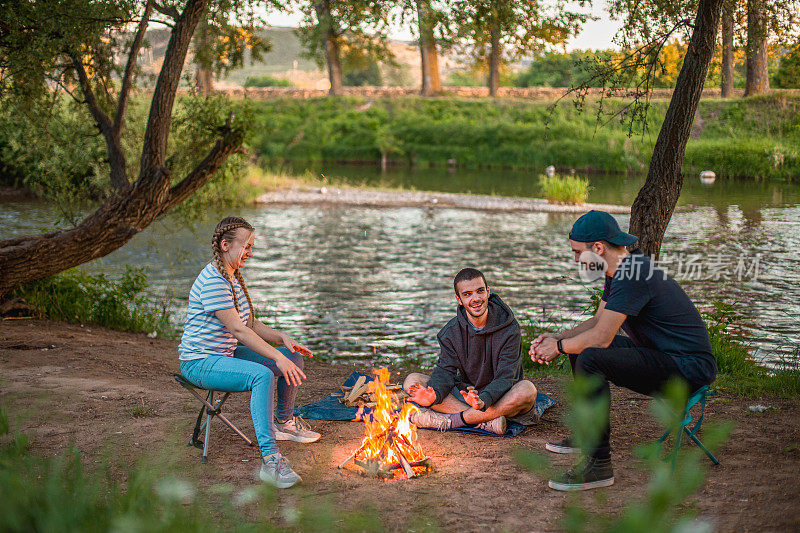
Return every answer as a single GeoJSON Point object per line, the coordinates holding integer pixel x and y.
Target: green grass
{"type": "Point", "coordinates": [744, 137]}
{"type": "Point", "coordinates": [564, 189]}
{"type": "Point", "coordinates": [57, 492]}
{"type": "Point", "coordinates": [78, 297]}
{"type": "Point", "coordinates": [140, 409]}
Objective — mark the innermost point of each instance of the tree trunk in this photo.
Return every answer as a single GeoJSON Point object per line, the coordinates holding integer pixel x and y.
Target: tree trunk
{"type": "Point", "coordinates": [726, 87]}
{"type": "Point", "coordinates": [334, 66]}
{"type": "Point", "coordinates": [653, 207]}
{"type": "Point", "coordinates": [757, 70]}
{"type": "Point", "coordinates": [431, 82]}
{"type": "Point", "coordinates": [133, 208]}
{"type": "Point", "coordinates": [332, 48]}
{"type": "Point", "coordinates": [203, 79]}
{"type": "Point", "coordinates": [496, 50]}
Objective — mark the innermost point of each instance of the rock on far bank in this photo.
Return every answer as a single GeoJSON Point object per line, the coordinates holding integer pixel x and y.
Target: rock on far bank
{"type": "Point", "coordinates": [398, 198]}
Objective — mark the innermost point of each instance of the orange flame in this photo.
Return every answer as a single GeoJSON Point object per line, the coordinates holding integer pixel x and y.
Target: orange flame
{"type": "Point", "coordinates": [388, 430]}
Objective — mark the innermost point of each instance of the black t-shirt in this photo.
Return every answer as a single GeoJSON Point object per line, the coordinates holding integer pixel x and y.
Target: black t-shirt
{"type": "Point", "coordinates": [661, 316]}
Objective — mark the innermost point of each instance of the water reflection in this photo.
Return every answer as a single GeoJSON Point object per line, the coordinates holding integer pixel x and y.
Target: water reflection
{"type": "Point", "coordinates": [370, 284]}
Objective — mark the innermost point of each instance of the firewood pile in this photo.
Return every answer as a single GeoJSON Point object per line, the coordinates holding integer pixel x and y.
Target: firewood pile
{"type": "Point", "coordinates": [359, 395]}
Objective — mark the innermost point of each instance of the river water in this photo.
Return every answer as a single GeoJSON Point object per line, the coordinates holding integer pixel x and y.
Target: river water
{"type": "Point", "coordinates": [371, 284]}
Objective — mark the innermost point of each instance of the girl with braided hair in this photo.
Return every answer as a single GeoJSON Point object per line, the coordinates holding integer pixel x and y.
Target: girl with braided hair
{"type": "Point", "coordinates": [220, 314]}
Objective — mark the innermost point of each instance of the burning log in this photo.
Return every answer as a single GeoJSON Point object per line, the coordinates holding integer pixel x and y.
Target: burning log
{"type": "Point", "coordinates": [390, 443]}
{"type": "Point", "coordinates": [360, 395]}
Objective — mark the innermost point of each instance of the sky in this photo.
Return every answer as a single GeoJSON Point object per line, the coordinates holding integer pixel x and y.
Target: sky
{"type": "Point", "coordinates": [595, 34]}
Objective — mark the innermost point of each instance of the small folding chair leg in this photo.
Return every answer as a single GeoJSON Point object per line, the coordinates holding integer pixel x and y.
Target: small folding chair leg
{"type": "Point", "coordinates": [699, 396]}
{"type": "Point", "coordinates": [211, 409]}
{"type": "Point", "coordinates": [702, 446]}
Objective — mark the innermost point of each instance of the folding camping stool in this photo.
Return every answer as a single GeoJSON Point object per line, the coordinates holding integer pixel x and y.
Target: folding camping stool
{"type": "Point", "coordinates": [211, 408]}
{"type": "Point", "coordinates": [698, 397]}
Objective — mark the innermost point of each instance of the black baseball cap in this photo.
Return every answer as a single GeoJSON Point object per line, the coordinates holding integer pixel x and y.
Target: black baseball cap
{"type": "Point", "coordinates": [600, 226]}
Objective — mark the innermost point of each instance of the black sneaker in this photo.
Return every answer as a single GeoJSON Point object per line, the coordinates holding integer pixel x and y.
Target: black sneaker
{"type": "Point", "coordinates": [591, 473]}
{"type": "Point", "coordinates": [562, 446]}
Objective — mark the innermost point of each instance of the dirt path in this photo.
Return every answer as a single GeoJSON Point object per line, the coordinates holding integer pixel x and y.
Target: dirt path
{"type": "Point", "coordinates": [65, 383]}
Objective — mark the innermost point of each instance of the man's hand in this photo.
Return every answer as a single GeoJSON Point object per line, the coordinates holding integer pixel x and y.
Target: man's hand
{"type": "Point", "coordinates": [293, 346]}
{"type": "Point", "coordinates": [538, 340]}
{"type": "Point", "coordinates": [471, 397]}
{"type": "Point", "coordinates": [424, 396]}
{"type": "Point", "coordinates": [545, 351]}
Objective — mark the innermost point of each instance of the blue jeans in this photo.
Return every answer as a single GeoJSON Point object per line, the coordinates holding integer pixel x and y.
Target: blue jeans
{"type": "Point", "coordinates": [247, 370]}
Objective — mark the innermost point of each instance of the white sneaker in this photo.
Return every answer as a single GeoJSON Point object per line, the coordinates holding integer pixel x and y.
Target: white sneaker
{"type": "Point", "coordinates": [495, 425]}
{"type": "Point", "coordinates": [428, 418]}
{"type": "Point", "coordinates": [277, 471]}
{"type": "Point", "coordinates": [295, 429]}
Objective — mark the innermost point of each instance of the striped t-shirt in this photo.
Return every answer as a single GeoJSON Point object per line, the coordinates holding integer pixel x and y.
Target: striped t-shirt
{"type": "Point", "coordinates": [204, 334]}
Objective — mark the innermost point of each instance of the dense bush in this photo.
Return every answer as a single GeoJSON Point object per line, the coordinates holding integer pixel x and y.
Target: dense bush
{"type": "Point", "coordinates": [125, 304]}
{"type": "Point", "coordinates": [787, 75]}
{"type": "Point", "coordinates": [564, 189]}
{"type": "Point", "coordinates": [363, 75]}
{"type": "Point", "coordinates": [265, 80]}
{"type": "Point", "coordinates": [525, 134]}
{"type": "Point", "coordinates": [558, 70]}
{"type": "Point", "coordinates": [38, 144]}
{"type": "Point", "coordinates": [54, 149]}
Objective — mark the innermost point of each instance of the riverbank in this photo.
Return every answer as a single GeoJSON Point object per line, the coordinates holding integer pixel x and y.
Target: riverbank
{"type": "Point", "coordinates": [111, 394]}
{"type": "Point", "coordinates": [365, 197]}
{"type": "Point", "coordinates": [754, 138]}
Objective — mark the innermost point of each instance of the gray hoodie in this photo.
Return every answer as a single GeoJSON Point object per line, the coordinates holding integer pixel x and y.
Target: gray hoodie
{"type": "Point", "coordinates": [488, 359]}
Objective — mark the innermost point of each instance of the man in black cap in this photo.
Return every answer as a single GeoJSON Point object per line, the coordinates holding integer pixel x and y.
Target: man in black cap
{"type": "Point", "coordinates": [666, 337]}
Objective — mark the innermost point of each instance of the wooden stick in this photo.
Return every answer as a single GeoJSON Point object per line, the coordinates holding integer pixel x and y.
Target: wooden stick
{"type": "Point", "coordinates": [353, 455]}
{"type": "Point", "coordinates": [352, 396]}
{"type": "Point", "coordinates": [403, 461]}
{"type": "Point", "coordinates": [357, 393]}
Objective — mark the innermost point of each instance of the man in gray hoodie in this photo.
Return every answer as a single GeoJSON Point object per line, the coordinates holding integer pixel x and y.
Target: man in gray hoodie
{"type": "Point", "coordinates": [477, 380]}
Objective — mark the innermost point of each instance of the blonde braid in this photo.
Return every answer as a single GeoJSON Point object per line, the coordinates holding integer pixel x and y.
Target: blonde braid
{"type": "Point", "coordinates": [250, 319]}
{"type": "Point", "coordinates": [226, 231]}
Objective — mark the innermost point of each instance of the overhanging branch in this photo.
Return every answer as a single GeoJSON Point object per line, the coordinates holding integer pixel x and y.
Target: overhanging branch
{"type": "Point", "coordinates": [157, 132]}
{"type": "Point", "coordinates": [127, 78]}
{"type": "Point", "coordinates": [116, 157]}
{"type": "Point", "coordinates": [170, 11]}
{"type": "Point", "coordinates": [224, 147]}
{"type": "Point", "coordinates": [100, 118]}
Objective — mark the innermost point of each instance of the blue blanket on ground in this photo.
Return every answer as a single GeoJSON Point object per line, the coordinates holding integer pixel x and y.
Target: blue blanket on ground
{"type": "Point", "coordinates": [330, 408]}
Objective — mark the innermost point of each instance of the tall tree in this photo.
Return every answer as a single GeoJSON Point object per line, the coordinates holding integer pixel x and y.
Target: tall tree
{"type": "Point", "coordinates": [726, 86]}
{"type": "Point", "coordinates": [496, 31]}
{"type": "Point", "coordinates": [656, 201]}
{"type": "Point", "coordinates": [769, 23]}
{"type": "Point", "coordinates": [648, 25]}
{"type": "Point", "coordinates": [331, 28]}
{"type": "Point", "coordinates": [51, 41]}
{"type": "Point", "coordinates": [226, 35]}
{"type": "Point", "coordinates": [426, 22]}
{"type": "Point", "coordinates": [757, 81]}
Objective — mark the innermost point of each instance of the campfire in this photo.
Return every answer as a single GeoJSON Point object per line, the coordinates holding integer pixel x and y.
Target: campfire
{"type": "Point", "coordinates": [390, 449]}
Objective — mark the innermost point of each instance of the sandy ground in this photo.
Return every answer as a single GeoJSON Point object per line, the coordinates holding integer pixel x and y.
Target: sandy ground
{"type": "Point", "coordinates": [65, 384]}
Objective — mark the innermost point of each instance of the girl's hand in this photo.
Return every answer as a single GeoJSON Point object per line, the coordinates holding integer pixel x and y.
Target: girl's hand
{"type": "Point", "coordinates": [293, 346]}
{"type": "Point", "coordinates": [290, 371]}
